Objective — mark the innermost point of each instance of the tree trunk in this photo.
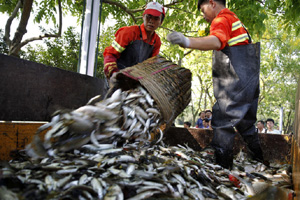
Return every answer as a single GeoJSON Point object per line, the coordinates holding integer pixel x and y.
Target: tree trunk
{"type": "Point", "coordinates": [21, 30]}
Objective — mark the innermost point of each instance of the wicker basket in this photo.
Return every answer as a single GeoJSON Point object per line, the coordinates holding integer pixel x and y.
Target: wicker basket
{"type": "Point", "coordinates": [168, 84]}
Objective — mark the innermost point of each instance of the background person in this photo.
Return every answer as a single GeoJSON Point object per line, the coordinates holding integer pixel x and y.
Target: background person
{"type": "Point", "coordinates": [236, 66]}
{"type": "Point", "coordinates": [187, 125]}
{"type": "Point", "coordinates": [270, 127]}
{"type": "Point", "coordinates": [208, 114]}
{"type": "Point", "coordinates": [199, 123]}
{"type": "Point", "coordinates": [260, 127]}
{"type": "Point", "coordinates": [206, 123]}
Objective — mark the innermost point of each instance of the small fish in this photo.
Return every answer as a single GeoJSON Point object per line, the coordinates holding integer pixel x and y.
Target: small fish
{"type": "Point", "coordinates": [144, 195]}
{"type": "Point", "coordinates": [36, 148]}
{"type": "Point", "coordinates": [63, 181]}
{"type": "Point", "coordinates": [179, 178]}
{"type": "Point", "coordinates": [83, 180]}
{"type": "Point", "coordinates": [94, 100]}
{"type": "Point", "coordinates": [7, 194]}
{"type": "Point", "coordinates": [98, 187]}
{"type": "Point", "coordinates": [116, 96]}
{"type": "Point", "coordinates": [153, 110]}
{"type": "Point", "coordinates": [97, 112]}
{"type": "Point", "coordinates": [141, 112]}
{"type": "Point", "coordinates": [114, 192]}
{"type": "Point", "coordinates": [130, 169]}
{"type": "Point", "coordinates": [67, 170]}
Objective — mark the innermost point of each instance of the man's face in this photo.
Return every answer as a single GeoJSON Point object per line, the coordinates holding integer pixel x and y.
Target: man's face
{"type": "Point", "coordinates": [260, 125]}
{"type": "Point", "coordinates": [208, 114]}
{"type": "Point", "coordinates": [202, 115]}
{"type": "Point", "coordinates": [207, 10]}
{"type": "Point", "coordinates": [151, 22]}
{"type": "Point", "coordinates": [270, 124]}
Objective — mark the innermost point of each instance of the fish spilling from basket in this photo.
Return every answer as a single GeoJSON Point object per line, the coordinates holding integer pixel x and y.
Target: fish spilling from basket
{"type": "Point", "coordinates": [126, 119]}
{"type": "Point", "coordinates": [105, 150]}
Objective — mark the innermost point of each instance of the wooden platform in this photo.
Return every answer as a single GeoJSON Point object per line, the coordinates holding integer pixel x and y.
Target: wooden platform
{"type": "Point", "coordinates": [296, 147]}
{"type": "Point", "coordinates": [276, 148]}
{"type": "Point", "coordinates": [15, 136]}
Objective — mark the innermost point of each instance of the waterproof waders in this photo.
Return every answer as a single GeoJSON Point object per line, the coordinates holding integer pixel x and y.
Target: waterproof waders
{"type": "Point", "coordinates": [236, 88]}
{"type": "Point", "coordinates": [136, 52]}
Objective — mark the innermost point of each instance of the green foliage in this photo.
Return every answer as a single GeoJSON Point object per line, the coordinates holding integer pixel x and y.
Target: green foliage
{"type": "Point", "coordinates": [287, 11]}
{"type": "Point", "coordinates": [46, 10]}
{"type": "Point", "coordinates": [105, 40]}
{"type": "Point", "coordinates": [3, 46]}
{"type": "Point", "coordinates": [74, 8]}
{"type": "Point", "coordinates": [280, 70]}
{"type": "Point", "coordinates": [7, 6]}
{"type": "Point", "coordinates": [274, 23]}
{"type": "Point", "coordinates": [245, 11]}
{"type": "Point", "coordinates": [60, 52]}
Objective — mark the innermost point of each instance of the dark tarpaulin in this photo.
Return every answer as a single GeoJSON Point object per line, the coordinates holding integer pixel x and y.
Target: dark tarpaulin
{"type": "Point", "coordinates": [31, 91]}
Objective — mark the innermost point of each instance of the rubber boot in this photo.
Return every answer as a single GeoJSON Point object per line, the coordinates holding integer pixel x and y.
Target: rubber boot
{"type": "Point", "coordinates": [224, 158]}
{"type": "Point", "coordinates": [254, 145]}
{"type": "Point", "coordinates": [223, 144]}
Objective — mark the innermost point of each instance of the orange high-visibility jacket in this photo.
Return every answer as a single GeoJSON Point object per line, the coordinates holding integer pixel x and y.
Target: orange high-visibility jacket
{"type": "Point", "coordinates": [229, 29]}
{"type": "Point", "coordinates": [123, 37]}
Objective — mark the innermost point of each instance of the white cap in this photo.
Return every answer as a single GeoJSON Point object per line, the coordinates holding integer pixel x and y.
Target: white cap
{"type": "Point", "coordinates": [155, 9]}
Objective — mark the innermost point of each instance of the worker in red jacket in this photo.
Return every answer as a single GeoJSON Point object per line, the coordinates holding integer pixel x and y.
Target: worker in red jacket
{"type": "Point", "coordinates": [236, 65]}
{"type": "Point", "coordinates": [134, 44]}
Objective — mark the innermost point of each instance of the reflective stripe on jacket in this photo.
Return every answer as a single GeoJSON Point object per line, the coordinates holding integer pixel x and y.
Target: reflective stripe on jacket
{"type": "Point", "coordinates": [229, 29]}
{"type": "Point", "coordinates": [124, 38]}
{"type": "Point", "coordinates": [239, 38]}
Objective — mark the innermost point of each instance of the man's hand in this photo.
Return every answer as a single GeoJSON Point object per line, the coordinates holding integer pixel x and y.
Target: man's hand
{"type": "Point", "coordinates": [178, 38]}
{"type": "Point", "coordinates": [113, 80]}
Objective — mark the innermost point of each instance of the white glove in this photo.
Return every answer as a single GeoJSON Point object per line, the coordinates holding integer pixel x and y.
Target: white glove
{"type": "Point", "coordinates": [178, 38]}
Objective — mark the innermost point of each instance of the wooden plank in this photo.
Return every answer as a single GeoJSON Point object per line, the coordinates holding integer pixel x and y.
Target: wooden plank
{"type": "Point", "coordinates": [15, 136]}
{"type": "Point", "coordinates": [296, 147]}
{"type": "Point", "coordinates": [276, 148]}
{"type": "Point", "coordinates": [176, 135]}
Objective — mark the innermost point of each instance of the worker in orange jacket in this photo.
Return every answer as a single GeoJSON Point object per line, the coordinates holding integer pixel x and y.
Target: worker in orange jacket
{"type": "Point", "coordinates": [236, 65]}
{"type": "Point", "coordinates": [134, 44]}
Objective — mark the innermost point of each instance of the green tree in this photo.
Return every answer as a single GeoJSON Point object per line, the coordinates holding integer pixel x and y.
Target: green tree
{"type": "Point", "coordinates": [280, 71]}
{"type": "Point", "coordinates": [3, 47]}
{"type": "Point", "coordinates": [181, 15]}
{"type": "Point", "coordinates": [23, 10]}
{"type": "Point", "coordinates": [62, 52]}
{"type": "Point", "coordinates": [105, 40]}
{"type": "Point", "coordinates": [275, 23]}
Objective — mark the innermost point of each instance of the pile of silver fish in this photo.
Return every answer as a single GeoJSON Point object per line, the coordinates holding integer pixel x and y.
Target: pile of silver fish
{"type": "Point", "coordinates": [104, 150]}
{"type": "Point", "coordinates": [125, 119]}
{"type": "Point", "coordinates": [156, 172]}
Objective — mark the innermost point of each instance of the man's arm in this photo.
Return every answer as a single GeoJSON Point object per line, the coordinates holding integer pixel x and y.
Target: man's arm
{"type": "Point", "coordinates": [110, 65]}
{"type": "Point", "coordinates": [122, 38]}
{"type": "Point", "coordinates": [205, 43]}
{"type": "Point", "coordinates": [210, 42]}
